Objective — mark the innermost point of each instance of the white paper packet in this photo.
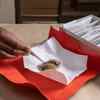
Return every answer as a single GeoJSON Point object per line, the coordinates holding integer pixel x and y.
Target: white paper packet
{"type": "Point", "coordinates": [71, 64]}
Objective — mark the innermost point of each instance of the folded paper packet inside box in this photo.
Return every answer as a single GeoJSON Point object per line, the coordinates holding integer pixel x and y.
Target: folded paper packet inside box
{"type": "Point", "coordinates": [71, 64]}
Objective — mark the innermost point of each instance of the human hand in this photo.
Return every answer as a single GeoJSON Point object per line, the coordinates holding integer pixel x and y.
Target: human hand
{"type": "Point", "coordinates": [10, 45]}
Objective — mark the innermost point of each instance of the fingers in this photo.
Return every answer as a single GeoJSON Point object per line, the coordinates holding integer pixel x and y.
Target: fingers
{"type": "Point", "coordinates": [6, 51]}
{"type": "Point", "coordinates": [6, 48]}
{"type": "Point", "coordinates": [4, 54]}
{"type": "Point", "coordinates": [11, 40]}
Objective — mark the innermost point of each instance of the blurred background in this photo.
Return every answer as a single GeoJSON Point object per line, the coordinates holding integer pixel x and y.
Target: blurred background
{"type": "Point", "coordinates": [44, 11]}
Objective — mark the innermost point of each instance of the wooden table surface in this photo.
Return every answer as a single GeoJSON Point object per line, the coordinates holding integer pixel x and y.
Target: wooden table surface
{"type": "Point", "coordinates": [33, 34]}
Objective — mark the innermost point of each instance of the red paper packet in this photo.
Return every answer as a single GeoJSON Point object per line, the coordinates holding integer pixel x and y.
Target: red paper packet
{"type": "Point", "coordinates": [14, 71]}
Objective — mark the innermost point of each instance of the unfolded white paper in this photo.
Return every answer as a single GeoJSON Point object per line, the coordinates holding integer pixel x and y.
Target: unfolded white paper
{"type": "Point", "coordinates": [71, 64]}
{"type": "Point", "coordinates": [87, 28]}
